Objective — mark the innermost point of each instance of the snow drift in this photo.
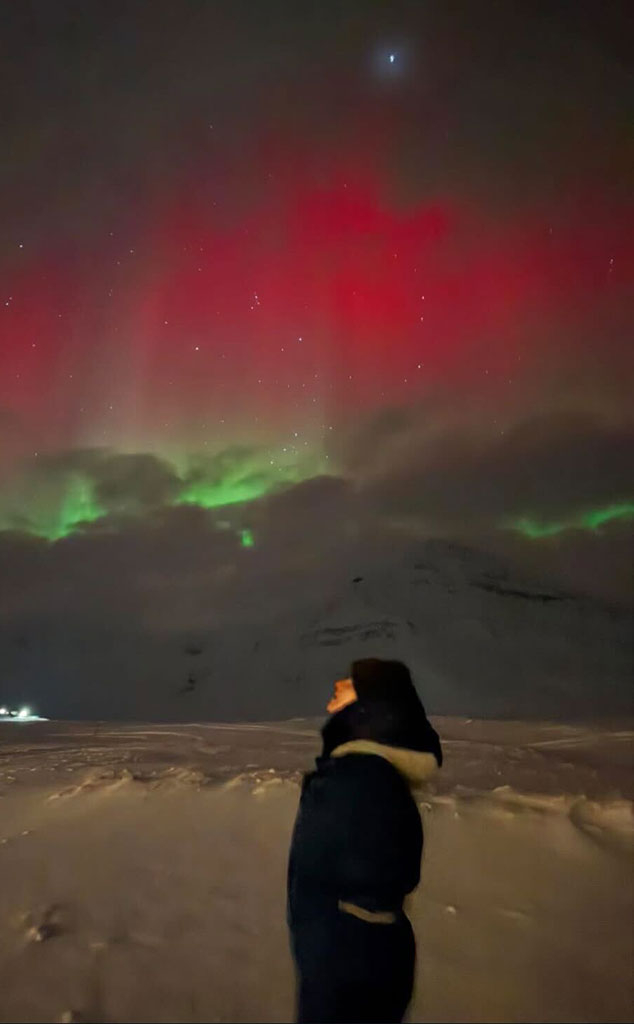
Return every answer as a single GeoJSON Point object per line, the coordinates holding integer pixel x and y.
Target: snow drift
{"type": "Point", "coordinates": [147, 872]}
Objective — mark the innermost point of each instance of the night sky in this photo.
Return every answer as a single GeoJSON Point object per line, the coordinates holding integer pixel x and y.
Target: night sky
{"type": "Point", "coordinates": [378, 255]}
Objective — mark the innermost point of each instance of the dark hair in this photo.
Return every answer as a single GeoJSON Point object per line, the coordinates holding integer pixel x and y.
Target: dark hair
{"type": "Point", "coordinates": [387, 710]}
{"type": "Point", "coordinates": [383, 679]}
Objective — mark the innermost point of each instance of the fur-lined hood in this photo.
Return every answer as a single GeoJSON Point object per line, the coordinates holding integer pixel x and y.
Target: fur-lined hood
{"type": "Point", "coordinates": [416, 766]}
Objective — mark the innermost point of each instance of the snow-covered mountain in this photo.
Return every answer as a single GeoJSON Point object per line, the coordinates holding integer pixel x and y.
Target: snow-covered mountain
{"type": "Point", "coordinates": [479, 638]}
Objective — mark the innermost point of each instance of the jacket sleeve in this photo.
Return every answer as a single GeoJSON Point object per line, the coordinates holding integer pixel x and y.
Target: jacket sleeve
{"type": "Point", "coordinates": [379, 835]}
{"type": "Point", "coordinates": [311, 874]}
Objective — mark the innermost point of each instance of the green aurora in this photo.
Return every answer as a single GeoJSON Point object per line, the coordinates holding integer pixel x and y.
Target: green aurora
{"type": "Point", "coordinates": [241, 479]}
{"type": "Point", "coordinates": [59, 511]}
{"type": "Point", "coordinates": [591, 519]}
{"type": "Point", "coordinates": [79, 506]}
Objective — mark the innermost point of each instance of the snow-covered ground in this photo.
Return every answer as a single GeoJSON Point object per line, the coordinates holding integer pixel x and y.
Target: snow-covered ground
{"type": "Point", "coordinates": [143, 869]}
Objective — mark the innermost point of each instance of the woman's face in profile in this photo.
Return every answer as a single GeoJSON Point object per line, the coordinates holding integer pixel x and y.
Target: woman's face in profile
{"type": "Point", "coordinates": [343, 693]}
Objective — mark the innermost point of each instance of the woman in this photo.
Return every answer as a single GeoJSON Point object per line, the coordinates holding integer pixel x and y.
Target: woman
{"type": "Point", "coordinates": [356, 850]}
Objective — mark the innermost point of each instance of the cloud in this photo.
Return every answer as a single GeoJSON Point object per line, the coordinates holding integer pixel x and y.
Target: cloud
{"type": "Point", "coordinates": [57, 493]}
{"type": "Point", "coordinates": [451, 471]}
{"type": "Point", "coordinates": [137, 536]}
{"type": "Point", "coordinates": [548, 466]}
{"type": "Point", "coordinates": [52, 493]}
{"type": "Point", "coordinates": [360, 446]}
{"type": "Point", "coordinates": [125, 483]}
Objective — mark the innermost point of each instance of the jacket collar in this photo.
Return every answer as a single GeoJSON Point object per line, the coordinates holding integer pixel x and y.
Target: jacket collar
{"type": "Point", "coordinates": [416, 766]}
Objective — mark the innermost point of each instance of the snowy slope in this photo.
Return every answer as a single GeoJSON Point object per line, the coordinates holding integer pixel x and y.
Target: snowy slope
{"type": "Point", "coordinates": [258, 642]}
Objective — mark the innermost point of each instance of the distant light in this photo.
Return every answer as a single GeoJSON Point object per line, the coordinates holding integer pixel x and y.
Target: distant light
{"type": "Point", "coordinates": [392, 58]}
{"type": "Point", "coordinates": [24, 713]}
{"type": "Point", "coordinates": [4, 711]}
